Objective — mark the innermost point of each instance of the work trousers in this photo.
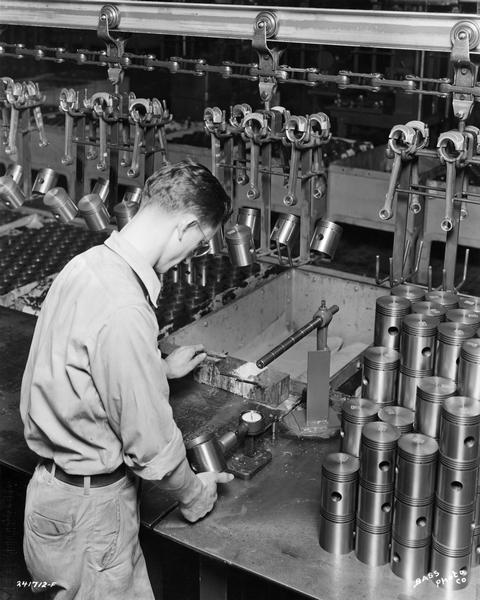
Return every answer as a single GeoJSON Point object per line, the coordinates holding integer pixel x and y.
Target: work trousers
{"type": "Point", "coordinates": [81, 543]}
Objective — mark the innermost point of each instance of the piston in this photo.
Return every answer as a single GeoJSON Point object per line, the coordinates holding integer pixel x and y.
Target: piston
{"type": "Point", "coordinates": [450, 337]}
{"type": "Point", "coordinates": [456, 483]}
{"type": "Point", "coordinates": [476, 548]}
{"type": "Point", "coordinates": [372, 544]}
{"type": "Point", "coordinates": [431, 392]}
{"type": "Point", "coordinates": [336, 537]}
{"type": "Point", "coordinates": [446, 299]}
{"type": "Point", "coordinates": [285, 233]}
{"type": "Point", "coordinates": [453, 527]}
{"type": "Point", "coordinates": [101, 188]}
{"type": "Point", "coordinates": [408, 381]}
{"type": "Point", "coordinates": [414, 293]}
{"type": "Point", "coordinates": [417, 342]}
{"type": "Point", "coordinates": [460, 429]}
{"type": "Point", "coordinates": [217, 243]}
{"type": "Point", "coordinates": [326, 238]}
{"type": "Point", "coordinates": [240, 245]}
{"type": "Point", "coordinates": [375, 507]}
{"type": "Point", "coordinates": [471, 303]}
{"type": "Point", "coordinates": [416, 468]}
{"type": "Point", "coordinates": [61, 205]}
{"type": "Point", "coordinates": [431, 309]}
{"type": "Point", "coordinates": [380, 373]}
{"type": "Point", "coordinates": [452, 567]}
{"type": "Point", "coordinates": [124, 212]}
{"type": "Point", "coordinates": [94, 212]}
{"type": "Point", "coordinates": [133, 193]}
{"type": "Point", "coordinates": [398, 416]}
{"type": "Point", "coordinates": [45, 180]}
{"type": "Point", "coordinates": [356, 412]}
{"type": "Point", "coordinates": [464, 316]}
{"type": "Point", "coordinates": [469, 368]}
{"type": "Point", "coordinates": [205, 453]}
{"type": "Point", "coordinates": [409, 562]}
{"type": "Point", "coordinates": [377, 454]}
{"type": "Point", "coordinates": [11, 194]}
{"type": "Point", "coordinates": [389, 314]}
{"type": "Point", "coordinates": [339, 485]}
{"type": "Point", "coordinates": [412, 523]}
{"type": "Point", "coordinates": [251, 218]}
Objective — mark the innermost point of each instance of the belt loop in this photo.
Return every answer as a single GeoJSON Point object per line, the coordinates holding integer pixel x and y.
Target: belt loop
{"type": "Point", "coordinates": [52, 473]}
{"type": "Point", "coordinates": [86, 485]}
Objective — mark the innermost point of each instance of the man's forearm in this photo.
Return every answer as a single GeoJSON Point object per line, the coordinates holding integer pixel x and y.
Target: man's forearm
{"type": "Point", "coordinates": [182, 483]}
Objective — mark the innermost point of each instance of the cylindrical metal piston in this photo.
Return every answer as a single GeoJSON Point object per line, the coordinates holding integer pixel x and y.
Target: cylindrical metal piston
{"type": "Point", "coordinates": [124, 212]}
{"type": "Point", "coordinates": [460, 428]}
{"type": "Point", "coordinates": [450, 337]}
{"type": "Point", "coordinates": [11, 194]}
{"type": "Point", "coordinates": [377, 454]}
{"type": "Point", "coordinates": [417, 342]}
{"type": "Point", "coordinates": [429, 308]}
{"type": "Point", "coordinates": [469, 369]}
{"type": "Point", "coordinates": [400, 417]}
{"type": "Point", "coordinates": [336, 537]}
{"type": "Point", "coordinates": [464, 316]}
{"type": "Point", "coordinates": [326, 238]}
{"type": "Point", "coordinates": [355, 413]}
{"type": "Point", "coordinates": [339, 485]}
{"type": "Point", "coordinates": [447, 299]}
{"type": "Point", "coordinates": [408, 380]}
{"type": "Point", "coordinates": [15, 171]}
{"type": "Point", "coordinates": [45, 180]}
{"type": "Point", "coordinates": [205, 454]}
{"type": "Point", "coordinates": [410, 562]}
{"type": "Point", "coordinates": [286, 230]}
{"type": "Point", "coordinates": [453, 569]}
{"type": "Point", "coordinates": [412, 524]}
{"type": "Point", "coordinates": [372, 547]}
{"type": "Point", "coordinates": [133, 193]}
{"type": "Point", "coordinates": [380, 373]}
{"type": "Point", "coordinates": [61, 205]}
{"type": "Point", "coordinates": [240, 245]}
{"type": "Point", "coordinates": [456, 484]}
{"type": "Point", "coordinates": [416, 468]}
{"type": "Point", "coordinates": [471, 303]}
{"type": "Point", "coordinates": [453, 527]}
{"type": "Point", "coordinates": [389, 314]}
{"type": "Point", "coordinates": [94, 212]}
{"type": "Point", "coordinates": [431, 392]}
{"type": "Point", "coordinates": [375, 507]}
{"type": "Point", "coordinates": [475, 549]}
{"type": "Point", "coordinates": [414, 293]}
{"type": "Point", "coordinates": [251, 218]}
{"type": "Point", "coordinates": [101, 188]}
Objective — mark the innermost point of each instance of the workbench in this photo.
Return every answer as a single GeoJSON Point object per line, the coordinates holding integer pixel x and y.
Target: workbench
{"type": "Point", "coordinates": [267, 526]}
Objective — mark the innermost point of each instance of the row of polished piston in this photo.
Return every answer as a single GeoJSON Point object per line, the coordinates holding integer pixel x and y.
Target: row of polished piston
{"type": "Point", "coordinates": [243, 239]}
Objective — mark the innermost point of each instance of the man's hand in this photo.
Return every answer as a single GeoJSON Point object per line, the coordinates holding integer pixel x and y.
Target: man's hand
{"type": "Point", "coordinates": [205, 500]}
{"type": "Point", "coordinates": [183, 360]}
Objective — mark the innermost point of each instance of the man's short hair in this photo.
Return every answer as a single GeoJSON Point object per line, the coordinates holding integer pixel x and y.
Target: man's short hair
{"type": "Point", "coordinates": [188, 186]}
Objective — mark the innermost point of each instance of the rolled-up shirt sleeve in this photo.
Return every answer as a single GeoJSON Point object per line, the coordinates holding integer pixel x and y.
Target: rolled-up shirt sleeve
{"type": "Point", "coordinates": [128, 373]}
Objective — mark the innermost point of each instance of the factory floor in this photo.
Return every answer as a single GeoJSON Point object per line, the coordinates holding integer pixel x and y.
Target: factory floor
{"type": "Point", "coordinates": [178, 579]}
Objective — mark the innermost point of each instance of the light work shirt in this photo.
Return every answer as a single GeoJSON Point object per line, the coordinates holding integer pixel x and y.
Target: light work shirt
{"type": "Point", "coordinates": [94, 391]}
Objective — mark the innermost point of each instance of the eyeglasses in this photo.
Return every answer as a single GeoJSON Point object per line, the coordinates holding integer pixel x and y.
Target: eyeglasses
{"type": "Point", "coordinates": [204, 245]}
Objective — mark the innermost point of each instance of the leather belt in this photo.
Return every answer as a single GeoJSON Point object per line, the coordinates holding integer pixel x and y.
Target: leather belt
{"type": "Point", "coordinates": [100, 480]}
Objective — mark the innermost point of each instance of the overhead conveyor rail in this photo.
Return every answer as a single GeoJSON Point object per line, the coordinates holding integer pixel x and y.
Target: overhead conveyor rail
{"type": "Point", "coordinates": [376, 29]}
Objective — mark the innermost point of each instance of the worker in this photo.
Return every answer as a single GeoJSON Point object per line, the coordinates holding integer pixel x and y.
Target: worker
{"type": "Point", "coordinates": [94, 397]}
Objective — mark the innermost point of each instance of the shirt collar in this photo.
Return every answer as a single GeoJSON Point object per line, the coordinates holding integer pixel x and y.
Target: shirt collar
{"type": "Point", "coordinates": [137, 263]}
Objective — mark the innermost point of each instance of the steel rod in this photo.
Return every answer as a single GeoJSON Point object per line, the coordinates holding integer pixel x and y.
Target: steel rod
{"type": "Point", "coordinates": [361, 28]}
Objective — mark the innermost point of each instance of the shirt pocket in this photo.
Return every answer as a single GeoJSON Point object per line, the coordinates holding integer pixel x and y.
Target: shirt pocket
{"type": "Point", "coordinates": [49, 528]}
{"type": "Point", "coordinates": [106, 532]}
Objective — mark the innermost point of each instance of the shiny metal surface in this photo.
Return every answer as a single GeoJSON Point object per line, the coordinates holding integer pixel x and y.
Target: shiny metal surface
{"type": "Point", "coordinates": [11, 194]}
{"type": "Point", "coordinates": [469, 368]}
{"type": "Point", "coordinates": [355, 413]}
{"type": "Point", "coordinates": [471, 303]}
{"type": "Point", "coordinates": [94, 212]}
{"type": "Point", "coordinates": [456, 486]}
{"type": "Point", "coordinates": [380, 374]}
{"type": "Point", "coordinates": [204, 453]}
{"type": "Point", "coordinates": [408, 380]}
{"type": "Point", "coordinates": [414, 293]}
{"type": "Point", "coordinates": [62, 206]}
{"type": "Point", "coordinates": [454, 571]}
{"type": "Point", "coordinates": [450, 337]}
{"type": "Point", "coordinates": [429, 308]}
{"type": "Point", "coordinates": [417, 342]}
{"type": "Point", "coordinates": [240, 245]}
{"type": "Point", "coordinates": [460, 428]}
{"type": "Point", "coordinates": [400, 417]}
{"type": "Point", "coordinates": [336, 538]}
{"type": "Point", "coordinates": [124, 212]}
{"type": "Point", "coordinates": [389, 313]}
{"type": "Point", "coordinates": [431, 392]}
{"type": "Point", "coordinates": [251, 218]}
{"type": "Point", "coordinates": [377, 454]}
{"type": "Point", "coordinates": [447, 299]}
{"type": "Point", "coordinates": [412, 524]}
{"type": "Point", "coordinates": [409, 563]}
{"type": "Point", "coordinates": [372, 548]}
{"type": "Point", "coordinates": [339, 486]}
{"type": "Point", "coordinates": [464, 316]}
{"type": "Point", "coordinates": [101, 188]}
{"type": "Point", "coordinates": [451, 529]}
{"type": "Point", "coordinates": [375, 507]}
{"type": "Point", "coordinates": [416, 468]}
{"type": "Point", "coordinates": [45, 180]}
{"type": "Point", "coordinates": [326, 238]}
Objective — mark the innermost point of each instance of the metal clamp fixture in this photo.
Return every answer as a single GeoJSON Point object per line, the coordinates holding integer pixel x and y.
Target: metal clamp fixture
{"type": "Point", "coordinates": [110, 19]}
{"type": "Point", "coordinates": [266, 27]}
